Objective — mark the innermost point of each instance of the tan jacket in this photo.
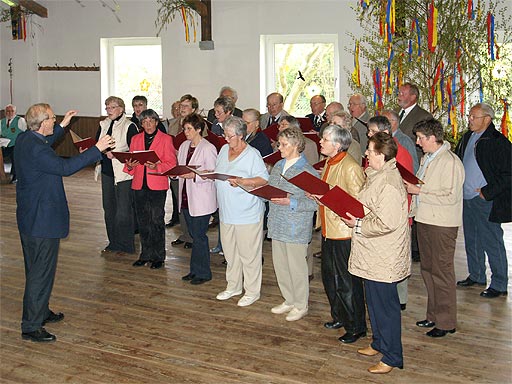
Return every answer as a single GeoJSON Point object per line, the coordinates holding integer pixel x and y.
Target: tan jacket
{"type": "Point", "coordinates": [382, 250]}
{"type": "Point", "coordinates": [119, 131]}
{"type": "Point", "coordinates": [341, 170]}
{"type": "Point", "coordinates": [440, 198]}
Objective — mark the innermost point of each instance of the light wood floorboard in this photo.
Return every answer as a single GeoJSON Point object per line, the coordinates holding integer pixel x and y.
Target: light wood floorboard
{"type": "Point", "coordinates": [136, 325]}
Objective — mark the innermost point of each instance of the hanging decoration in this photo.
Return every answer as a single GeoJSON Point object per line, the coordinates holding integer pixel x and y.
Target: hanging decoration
{"type": "Point", "coordinates": [18, 24]}
{"type": "Point", "coordinates": [415, 26]}
{"type": "Point", "coordinates": [462, 85]}
{"type": "Point", "coordinates": [388, 75]}
{"type": "Point", "coordinates": [364, 4]}
{"type": "Point", "coordinates": [432, 27]}
{"type": "Point", "coordinates": [356, 74]}
{"type": "Point", "coordinates": [437, 85]}
{"type": "Point", "coordinates": [188, 18]}
{"type": "Point", "coordinates": [506, 123]}
{"type": "Point", "coordinates": [490, 35]}
{"type": "Point", "coordinates": [471, 11]}
{"type": "Point", "coordinates": [377, 86]}
{"type": "Point", "coordinates": [390, 21]}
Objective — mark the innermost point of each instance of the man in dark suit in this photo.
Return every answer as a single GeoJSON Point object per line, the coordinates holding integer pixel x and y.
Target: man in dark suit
{"type": "Point", "coordinates": [42, 211]}
{"type": "Point", "coordinates": [226, 92]}
{"type": "Point", "coordinates": [409, 114]}
{"type": "Point", "coordinates": [357, 107]}
{"type": "Point", "coordinates": [275, 105]}
{"type": "Point", "coordinates": [317, 115]}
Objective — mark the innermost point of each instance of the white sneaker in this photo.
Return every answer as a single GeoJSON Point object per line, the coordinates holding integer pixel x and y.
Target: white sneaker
{"type": "Point", "coordinates": [224, 295]}
{"type": "Point", "coordinates": [247, 300]}
{"type": "Point", "coordinates": [296, 314]}
{"type": "Point", "coordinates": [282, 308]}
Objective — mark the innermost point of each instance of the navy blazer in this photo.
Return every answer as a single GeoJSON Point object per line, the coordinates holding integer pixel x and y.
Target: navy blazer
{"type": "Point", "coordinates": [42, 208]}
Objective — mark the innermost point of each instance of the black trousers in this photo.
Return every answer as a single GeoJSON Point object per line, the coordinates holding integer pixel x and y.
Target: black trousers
{"type": "Point", "coordinates": [40, 257]}
{"type": "Point", "coordinates": [118, 209]}
{"type": "Point", "coordinates": [149, 206]}
{"type": "Point", "coordinates": [344, 291]}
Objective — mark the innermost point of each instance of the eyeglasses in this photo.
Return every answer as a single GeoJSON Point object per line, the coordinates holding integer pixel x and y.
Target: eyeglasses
{"type": "Point", "coordinates": [473, 117]}
{"type": "Point", "coordinates": [353, 104]}
{"type": "Point", "coordinates": [54, 118]}
{"type": "Point", "coordinates": [228, 137]}
{"type": "Point", "coordinates": [317, 103]}
{"type": "Point", "coordinates": [420, 138]}
{"type": "Point", "coordinates": [273, 105]}
{"type": "Point", "coordinates": [111, 107]}
{"type": "Point", "coordinates": [148, 120]}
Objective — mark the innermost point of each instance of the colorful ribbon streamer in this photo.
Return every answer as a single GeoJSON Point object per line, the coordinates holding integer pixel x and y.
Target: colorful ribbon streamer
{"type": "Point", "coordinates": [356, 74]}
{"type": "Point", "coordinates": [432, 27]}
{"type": "Point", "coordinates": [506, 123]}
{"type": "Point", "coordinates": [490, 35]}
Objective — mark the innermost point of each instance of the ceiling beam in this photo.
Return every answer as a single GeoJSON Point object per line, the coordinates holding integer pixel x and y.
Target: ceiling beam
{"type": "Point", "coordinates": [29, 5]}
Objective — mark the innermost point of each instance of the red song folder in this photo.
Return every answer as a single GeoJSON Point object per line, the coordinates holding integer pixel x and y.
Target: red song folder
{"type": "Point", "coordinates": [213, 175]}
{"type": "Point", "coordinates": [142, 156]}
{"type": "Point", "coordinates": [340, 202]}
{"type": "Point", "coordinates": [179, 139]}
{"type": "Point", "coordinates": [305, 124]}
{"type": "Point", "coordinates": [216, 140]}
{"type": "Point", "coordinates": [271, 131]}
{"type": "Point", "coordinates": [267, 192]}
{"type": "Point", "coordinates": [309, 183]}
{"type": "Point", "coordinates": [81, 143]}
{"type": "Point", "coordinates": [320, 164]}
{"type": "Point", "coordinates": [176, 171]}
{"type": "Point", "coordinates": [407, 175]}
{"type": "Point", "coordinates": [273, 158]}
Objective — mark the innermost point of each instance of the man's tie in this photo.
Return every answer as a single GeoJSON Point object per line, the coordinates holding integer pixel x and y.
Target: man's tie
{"type": "Point", "coordinates": [318, 119]}
{"type": "Point", "coordinates": [402, 115]}
{"type": "Point", "coordinates": [273, 120]}
{"type": "Point", "coordinates": [8, 122]}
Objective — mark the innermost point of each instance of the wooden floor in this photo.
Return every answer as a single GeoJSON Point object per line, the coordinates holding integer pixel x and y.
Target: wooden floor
{"type": "Point", "coordinates": [128, 325]}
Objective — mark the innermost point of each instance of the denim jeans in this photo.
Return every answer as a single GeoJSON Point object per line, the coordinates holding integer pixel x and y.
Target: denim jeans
{"type": "Point", "coordinates": [483, 237]}
{"type": "Point", "coordinates": [200, 257]}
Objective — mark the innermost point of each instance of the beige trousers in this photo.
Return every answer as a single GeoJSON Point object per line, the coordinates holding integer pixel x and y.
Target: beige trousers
{"type": "Point", "coordinates": [242, 244]}
{"type": "Point", "coordinates": [292, 272]}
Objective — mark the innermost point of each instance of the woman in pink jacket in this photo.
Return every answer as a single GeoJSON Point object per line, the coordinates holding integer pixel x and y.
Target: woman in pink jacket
{"type": "Point", "coordinates": [150, 190]}
{"type": "Point", "coordinates": [197, 197]}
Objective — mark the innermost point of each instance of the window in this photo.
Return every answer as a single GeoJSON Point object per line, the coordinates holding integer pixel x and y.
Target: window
{"type": "Point", "coordinates": [315, 56]}
{"type": "Point", "coordinates": [130, 67]}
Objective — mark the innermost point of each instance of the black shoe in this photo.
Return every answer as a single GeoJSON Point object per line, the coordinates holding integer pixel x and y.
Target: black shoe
{"type": "Point", "coordinates": [108, 250]}
{"type": "Point", "coordinates": [225, 262]}
{"type": "Point", "coordinates": [349, 337]}
{"type": "Point", "coordinates": [177, 242]}
{"type": "Point", "coordinates": [333, 325]}
{"type": "Point", "coordinates": [172, 223]}
{"type": "Point", "coordinates": [403, 307]}
{"type": "Point", "coordinates": [188, 245]}
{"type": "Point", "coordinates": [468, 283]}
{"type": "Point", "coordinates": [213, 224]}
{"type": "Point", "coordinates": [491, 293]}
{"type": "Point", "coordinates": [39, 336]}
{"type": "Point", "coordinates": [199, 280]}
{"type": "Point", "coordinates": [140, 263]}
{"type": "Point", "coordinates": [425, 324]}
{"type": "Point", "coordinates": [436, 332]}
{"type": "Point", "coordinates": [188, 277]}
{"type": "Point", "coordinates": [53, 318]}
{"type": "Point", "coordinates": [157, 264]}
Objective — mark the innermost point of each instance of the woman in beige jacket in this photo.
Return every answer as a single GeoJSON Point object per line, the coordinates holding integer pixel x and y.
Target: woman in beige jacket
{"type": "Point", "coordinates": [381, 250]}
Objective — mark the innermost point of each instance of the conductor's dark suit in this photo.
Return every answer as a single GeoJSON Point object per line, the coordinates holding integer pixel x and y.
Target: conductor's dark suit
{"type": "Point", "coordinates": [42, 215]}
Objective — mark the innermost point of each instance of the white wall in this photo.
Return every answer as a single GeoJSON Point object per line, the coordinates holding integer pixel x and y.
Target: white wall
{"type": "Point", "coordinates": [71, 35]}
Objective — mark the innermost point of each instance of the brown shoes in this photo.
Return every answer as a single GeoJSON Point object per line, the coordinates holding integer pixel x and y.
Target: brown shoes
{"type": "Point", "coordinates": [368, 351]}
{"type": "Point", "coordinates": [380, 367]}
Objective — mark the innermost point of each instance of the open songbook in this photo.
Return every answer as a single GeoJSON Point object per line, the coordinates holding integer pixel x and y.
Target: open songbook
{"type": "Point", "coordinates": [176, 171]}
{"type": "Point", "coordinates": [266, 191]}
{"type": "Point", "coordinates": [213, 175]}
{"type": "Point", "coordinates": [141, 156]}
{"type": "Point", "coordinates": [81, 143]}
{"type": "Point", "coordinates": [336, 199]}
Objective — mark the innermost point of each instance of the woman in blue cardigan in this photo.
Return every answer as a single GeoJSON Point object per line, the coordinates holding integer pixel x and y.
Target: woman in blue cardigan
{"type": "Point", "coordinates": [290, 221]}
